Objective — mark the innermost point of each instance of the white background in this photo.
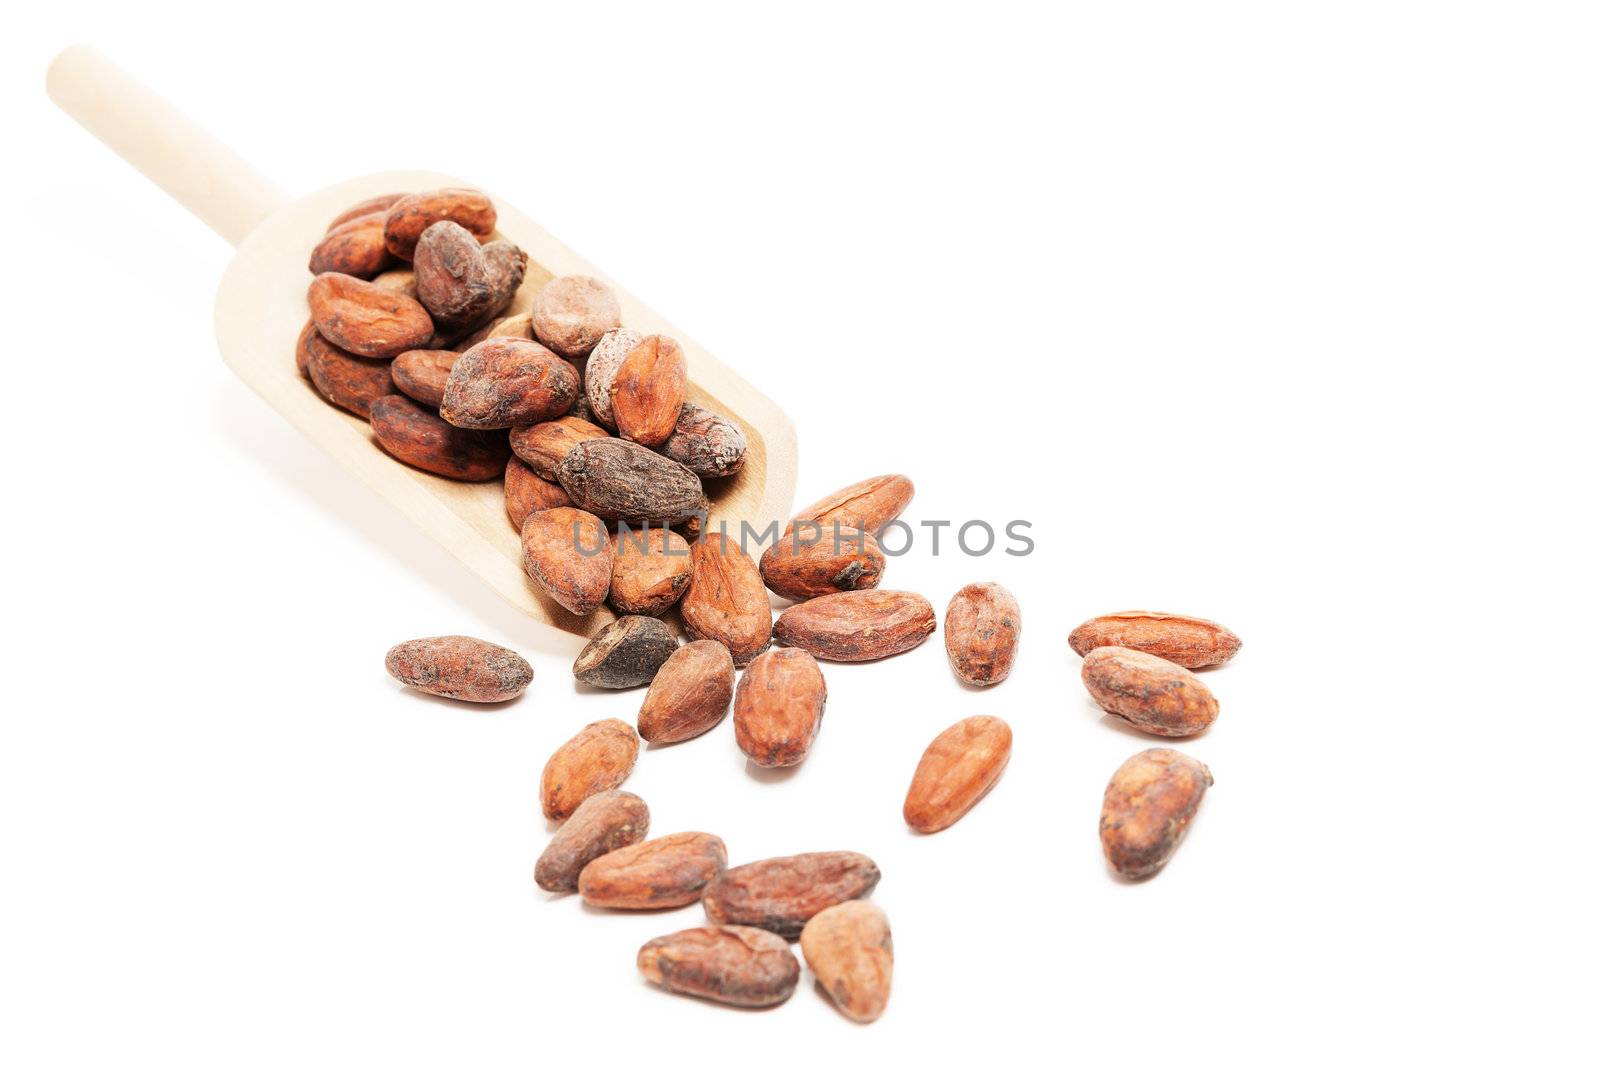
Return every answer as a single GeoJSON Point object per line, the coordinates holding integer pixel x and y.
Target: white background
{"type": "Point", "coordinates": [1280, 314]}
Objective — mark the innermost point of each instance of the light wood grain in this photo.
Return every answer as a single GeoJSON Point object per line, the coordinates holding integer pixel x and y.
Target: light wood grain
{"type": "Point", "coordinates": [261, 307]}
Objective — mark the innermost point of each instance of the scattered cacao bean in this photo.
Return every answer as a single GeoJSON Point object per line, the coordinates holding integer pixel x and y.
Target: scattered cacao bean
{"type": "Point", "coordinates": [664, 872]}
{"type": "Point", "coordinates": [726, 601]}
{"type": "Point", "coordinates": [981, 630]}
{"type": "Point", "coordinates": [599, 757]}
{"type": "Point", "coordinates": [1154, 695]}
{"type": "Point", "coordinates": [850, 950]}
{"type": "Point", "coordinates": [736, 965]}
{"type": "Point", "coordinates": [689, 695]}
{"type": "Point", "coordinates": [1181, 639]}
{"type": "Point", "coordinates": [857, 626]}
{"type": "Point", "coordinates": [603, 823]}
{"type": "Point", "coordinates": [461, 668]}
{"type": "Point", "coordinates": [782, 894]}
{"type": "Point", "coordinates": [777, 709]}
{"type": "Point", "coordinates": [625, 653]}
{"type": "Point", "coordinates": [1148, 806]}
{"type": "Point", "coordinates": [867, 505]}
{"type": "Point", "coordinates": [805, 563]}
{"type": "Point", "coordinates": [961, 765]}
{"type": "Point", "coordinates": [355, 248]}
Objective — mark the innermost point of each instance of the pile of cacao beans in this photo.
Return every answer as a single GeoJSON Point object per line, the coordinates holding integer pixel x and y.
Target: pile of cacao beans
{"type": "Point", "coordinates": [604, 462]}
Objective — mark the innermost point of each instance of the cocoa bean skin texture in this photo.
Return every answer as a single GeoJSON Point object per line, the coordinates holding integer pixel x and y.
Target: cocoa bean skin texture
{"type": "Point", "coordinates": [420, 373]}
{"type": "Point", "coordinates": [622, 481]}
{"type": "Point", "coordinates": [803, 564]}
{"type": "Point", "coordinates": [343, 380]}
{"type": "Point", "coordinates": [726, 601]}
{"type": "Point", "coordinates": [410, 216]}
{"type": "Point", "coordinates": [571, 314]}
{"type": "Point", "coordinates": [452, 275]}
{"type": "Point", "coordinates": [504, 382]}
{"type": "Point", "coordinates": [402, 280]}
{"type": "Point", "coordinates": [958, 770]}
{"type": "Point", "coordinates": [777, 709]}
{"type": "Point", "coordinates": [689, 695]}
{"type": "Point", "coordinates": [735, 965]}
{"type": "Point", "coordinates": [866, 505]}
{"type": "Point", "coordinates": [601, 371]}
{"type": "Point", "coordinates": [782, 894]}
{"type": "Point", "coordinates": [527, 493]}
{"type": "Point", "coordinates": [647, 392]}
{"type": "Point", "coordinates": [707, 443]}
{"type": "Point", "coordinates": [625, 654]}
{"type": "Point", "coordinates": [597, 758]}
{"type": "Point", "coordinates": [858, 626]}
{"type": "Point", "coordinates": [1148, 807]}
{"type": "Point", "coordinates": [650, 571]}
{"type": "Point", "coordinates": [851, 951]}
{"type": "Point", "coordinates": [551, 557]}
{"type": "Point", "coordinates": [1181, 639]}
{"type": "Point", "coordinates": [376, 205]}
{"type": "Point", "coordinates": [366, 319]}
{"type": "Point", "coordinates": [543, 445]}
{"type": "Point", "coordinates": [418, 438]}
{"type": "Point", "coordinates": [461, 668]}
{"type": "Point", "coordinates": [1152, 694]}
{"type": "Point", "coordinates": [981, 629]}
{"type": "Point", "coordinates": [302, 349]}
{"type": "Point", "coordinates": [355, 248]}
{"type": "Point", "coordinates": [665, 872]}
{"type": "Point", "coordinates": [603, 823]}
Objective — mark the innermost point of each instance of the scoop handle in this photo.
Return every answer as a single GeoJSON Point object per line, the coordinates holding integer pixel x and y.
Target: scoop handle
{"type": "Point", "coordinates": [195, 168]}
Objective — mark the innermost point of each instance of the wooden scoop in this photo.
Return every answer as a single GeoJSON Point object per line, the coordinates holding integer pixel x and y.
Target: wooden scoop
{"type": "Point", "coordinates": [261, 306]}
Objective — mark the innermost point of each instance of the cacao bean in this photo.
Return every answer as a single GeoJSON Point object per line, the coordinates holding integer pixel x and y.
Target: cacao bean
{"type": "Point", "coordinates": [1181, 639]}
{"type": "Point", "coordinates": [1154, 695]}
{"type": "Point", "coordinates": [622, 481]}
{"type": "Point", "coordinates": [650, 571]}
{"type": "Point", "coordinates": [689, 695]}
{"type": "Point", "coordinates": [410, 216]}
{"type": "Point", "coordinates": [461, 668]}
{"type": "Point", "coordinates": [1148, 807]}
{"type": "Point", "coordinates": [857, 626]}
{"type": "Point", "coordinates": [366, 319]}
{"type": "Point", "coordinates": [707, 443]}
{"type": "Point", "coordinates": [735, 965]}
{"type": "Point", "coordinates": [981, 630]}
{"type": "Point", "coordinates": [958, 770]}
{"type": "Point", "coordinates": [665, 872]}
{"type": "Point", "coordinates": [505, 382]}
{"type": "Point", "coordinates": [420, 373]}
{"type": "Point", "coordinates": [572, 313]}
{"type": "Point", "coordinates": [526, 493]}
{"type": "Point", "coordinates": [799, 567]}
{"type": "Point", "coordinates": [782, 894]}
{"type": "Point", "coordinates": [726, 601]}
{"type": "Point", "coordinates": [778, 707]}
{"type": "Point", "coordinates": [850, 950]}
{"type": "Point", "coordinates": [603, 823]}
{"type": "Point", "coordinates": [556, 553]}
{"type": "Point", "coordinates": [417, 437]}
{"type": "Point", "coordinates": [599, 757]}
{"type": "Point", "coordinates": [647, 392]}
{"type": "Point", "coordinates": [544, 445]}
{"type": "Point", "coordinates": [626, 653]}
